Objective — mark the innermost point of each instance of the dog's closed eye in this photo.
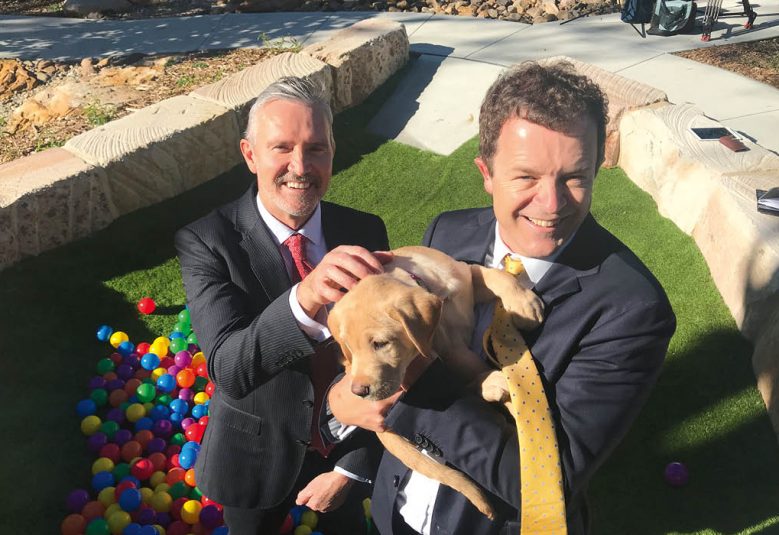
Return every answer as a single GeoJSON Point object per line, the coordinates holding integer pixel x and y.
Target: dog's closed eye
{"type": "Point", "coordinates": [379, 344]}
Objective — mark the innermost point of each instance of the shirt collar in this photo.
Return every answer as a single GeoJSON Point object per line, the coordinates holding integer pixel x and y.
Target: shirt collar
{"type": "Point", "coordinates": [536, 268]}
{"type": "Point", "coordinates": [312, 229]}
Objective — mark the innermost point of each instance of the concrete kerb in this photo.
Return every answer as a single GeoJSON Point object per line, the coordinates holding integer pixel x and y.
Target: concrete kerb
{"type": "Point", "coordinates": [59, 195]}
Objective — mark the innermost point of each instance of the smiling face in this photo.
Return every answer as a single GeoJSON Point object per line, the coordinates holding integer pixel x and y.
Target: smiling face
{"type": "Point", "coordinates": [541, 183]}
{"type": "Point", "coordinates": [292, 156]}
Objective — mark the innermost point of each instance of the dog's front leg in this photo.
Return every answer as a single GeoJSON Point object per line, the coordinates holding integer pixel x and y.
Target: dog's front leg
{"type": "Point", "coordinates": [526, 307]}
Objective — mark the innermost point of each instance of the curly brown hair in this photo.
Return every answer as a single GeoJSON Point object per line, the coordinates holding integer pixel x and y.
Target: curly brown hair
{"type": "Point", "coordinates": [554, 96]}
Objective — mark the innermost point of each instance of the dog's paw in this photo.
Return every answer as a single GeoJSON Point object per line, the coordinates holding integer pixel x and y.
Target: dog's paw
{"type": "Point", "coordinates": [493, 386]}
{"type": "Point", "coordinates": [526, 309]}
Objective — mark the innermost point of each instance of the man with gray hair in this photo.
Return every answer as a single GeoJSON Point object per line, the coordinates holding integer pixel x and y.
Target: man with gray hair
{"type": "Point", "coordinates": [259, 274]}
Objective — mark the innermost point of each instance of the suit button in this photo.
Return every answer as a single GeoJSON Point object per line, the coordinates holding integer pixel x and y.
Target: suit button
{"type": "Point", "coordinates": [418, 439]}
{"type": "Point", "coordinates": [395, 481]}
{"type": "Point", "coordinates": [303, 443]}
{"type": "Point", "coordinates": [308, 403]}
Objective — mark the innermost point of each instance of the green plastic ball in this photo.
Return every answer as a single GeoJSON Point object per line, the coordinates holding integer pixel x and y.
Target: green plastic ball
{"type": "Point", "coordinates": [183, 316]}
{"type": "Point", "coordinates": [178, 439]}
{"type": "Point", "coordinates": [146, 392]}
{"type": "Point", "coordinates": [178, 344]}
{"type": "Point", "coordinates": [105, 365]}
{"type": "Point", "coordinates": [99, 396]}
{"type": "Point", "coordinates": [98, 526]}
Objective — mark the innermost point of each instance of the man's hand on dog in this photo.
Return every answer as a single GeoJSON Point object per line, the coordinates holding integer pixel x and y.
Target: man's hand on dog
{"type": "Point", "coordinates": [326, 492]}
{"type": "Point", "coordinates": [339, 270]}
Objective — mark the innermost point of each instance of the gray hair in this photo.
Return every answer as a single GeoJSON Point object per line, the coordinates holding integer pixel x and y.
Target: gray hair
{"type": "Point", "coordinates": [290, 88]}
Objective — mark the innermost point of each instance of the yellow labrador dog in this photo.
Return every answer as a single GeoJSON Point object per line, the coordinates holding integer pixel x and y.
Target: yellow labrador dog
{"type": "Point", "coordinates": [423, 305]}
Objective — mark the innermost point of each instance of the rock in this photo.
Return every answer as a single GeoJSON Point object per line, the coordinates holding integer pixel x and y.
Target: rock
{"type": "Point", "coordinates": [87, 69]}
{"type": "Point", "coordinates": [87, 7]}
{"type": "Point", "coordinates": [533, 12]}
{"type": "Point", "coordinates": [265, 6]}
{"type": "Point", "coordinates": [514, 17]}
{"type": "Point", "coordinates": [402, 4]}
{"type": "Point", "coordinates": [492, 13]}
{"type": "Point", "coordinates": [132, 76]}
{"type": "Point", "coordinates": [550, 7]}
{"type": "Point", "coordinates": [42, 77]}
{"type": "Point", "coordinates": [565, 5]}
{"type": "Point", "coordinates": [47, 105]}
{"type": "Point", "coordinates": [362, 56]}
{"type": "Point", "coordinates": [14, 77]}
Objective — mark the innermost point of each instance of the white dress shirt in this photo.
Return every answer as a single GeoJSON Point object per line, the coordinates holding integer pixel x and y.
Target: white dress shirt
{"type": "Point", "coordinates": [316, 249]}
{"type": "Point", "coordinates": [417, 494]}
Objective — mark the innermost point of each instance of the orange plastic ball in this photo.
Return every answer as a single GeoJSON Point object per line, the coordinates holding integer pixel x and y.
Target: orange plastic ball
{"type": "Point", "coordinates": [117, 397]}
{"type": "Point", "coordinates": [131, 449]}
{"type": "Point", "coordinates": [92, 510]}
{"type": "Point", "coordinates": [185, 378]}
{"type": "Point", "coordinates": [158, 461]}
{"type": "Point", "coordinates": [189, 477]}
{"type": "Point", "coordinates": [73, 525]}
{"type": "Point", "coordinates": [175, 475]}
{"type": "Point", "coordinates": [143, 437]}
{"type": "Point", "coordinates": [131, 386]}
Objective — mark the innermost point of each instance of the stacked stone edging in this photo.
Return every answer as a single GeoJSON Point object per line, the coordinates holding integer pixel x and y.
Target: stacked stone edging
{"type": "Point", "coordinates": [709, 192]}
{"type": "Point", "coordinates": [59, 195]}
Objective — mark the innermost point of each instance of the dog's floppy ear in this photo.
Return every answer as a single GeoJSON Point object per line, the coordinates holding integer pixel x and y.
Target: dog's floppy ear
{"type": "Point", "coordinates": [334, 324]}
{"type": "Point", "coordinates": [419, 313]}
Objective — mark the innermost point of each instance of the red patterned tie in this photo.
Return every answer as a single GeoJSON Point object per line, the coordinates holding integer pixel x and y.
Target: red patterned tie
{"type": "Point", "coordinates": [323, 367]}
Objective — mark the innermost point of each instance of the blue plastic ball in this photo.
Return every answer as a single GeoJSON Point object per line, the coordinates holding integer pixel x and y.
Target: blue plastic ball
{"type": "Point", "coordinates": [102, 480]}
{"type": "Point", "coordinates": [198, 411]}
{"type": "Point", "coordinates": [166, 383]}
{"type": "Point", "coordinates": [187, 459]}
{"type": "Point", "coordinates": [151, 530]}
{"type": "Point", "coordinates": [150, 361]}
{"type": "Point", "coordinates": [130, 500]}
{"type": "Point", "coordinates": [126, 348]}
{"type": "Point", "coordinates": [131, 528]}
{"type": "Point", "coordinates": [177, 334]}
{"type": "Point", "coordinates": [221, 530]}
{"type": "Point", "coordinates": [179, 405]}
{"type": "Point", "coordinates": [104, 333]}
{"type": "Point", "coordinates": [85, 407]}
{"type": "Point", "coordinates": [143, 423]}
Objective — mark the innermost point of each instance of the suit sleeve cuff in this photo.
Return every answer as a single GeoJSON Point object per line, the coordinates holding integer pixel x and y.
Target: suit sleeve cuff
{"type": "Point", "coordinates": [314, 328]}
{"type": "Point", "coordinates": [350, 475]}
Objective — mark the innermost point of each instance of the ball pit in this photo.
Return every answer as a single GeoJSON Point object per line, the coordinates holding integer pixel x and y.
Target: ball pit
{"type": "Point", "coordinates": [143, 418]}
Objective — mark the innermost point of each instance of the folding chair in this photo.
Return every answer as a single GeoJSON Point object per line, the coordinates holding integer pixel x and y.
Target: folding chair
{"type": "Point", "coordinates": [712, 11]}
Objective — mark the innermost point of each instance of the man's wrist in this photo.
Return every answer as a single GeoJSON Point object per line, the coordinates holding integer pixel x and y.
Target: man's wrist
{"type": "Point", "coordinates": [309, 306]}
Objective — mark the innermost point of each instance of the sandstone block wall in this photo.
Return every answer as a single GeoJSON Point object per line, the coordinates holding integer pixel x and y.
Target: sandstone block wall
{"type": "Point", "coordinates": [363, 56]}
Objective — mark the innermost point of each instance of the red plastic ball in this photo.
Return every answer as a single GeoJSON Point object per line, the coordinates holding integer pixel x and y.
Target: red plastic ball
{"type": "Point", "coordinates": [195, 432]}
{"type": "Point", "coordinates": [175, 510]}
{"type": "Point", "coordinates": [111, 451]}
{"type": "Point", "coordinates": [142, 469]}
{"type": "Point", "coordinates": [123, 486]}
{"type": "Point", "coordinates": [142, 348]}
{"type": "Point", "coordinates": [210, 388]}
{"type": "Point", "coordinates": [146, 305]}
{"type": "Point", "coordinates": [131, 449]}
{"type": "Point", "coordinates": [202, 369]}
{"type": "Point", "coordinates": [73, 525]}
{"type": "Point", "coordinates": [158, 461]}
{"type": "Point", "coordinates": [178, 527]}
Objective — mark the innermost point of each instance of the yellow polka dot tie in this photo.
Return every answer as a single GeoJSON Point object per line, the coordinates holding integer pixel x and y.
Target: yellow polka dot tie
{"type": "Point", "coordinates": [541, 478]}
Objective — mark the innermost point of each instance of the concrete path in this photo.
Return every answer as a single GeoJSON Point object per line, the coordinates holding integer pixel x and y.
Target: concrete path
{"type": "Point", "coordinates": [436, 105]}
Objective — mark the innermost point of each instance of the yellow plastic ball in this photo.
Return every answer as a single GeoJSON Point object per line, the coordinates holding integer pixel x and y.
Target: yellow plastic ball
{"type": "Point", "coordinates": [309, 519]}
{"type": "Point", "coordinates": [118, 521]}
{"type": "Point", "coordinates": [302, 530]}
{"type": "Point", "coordinates": [111, 509]}
{"type": "Point", "coordinates": [366, 507]}
{"type": "Point", "coordinates": [161, 502]}
{"type": "Point", "coordinates": [197, 359]}
{"type": "Point", "coordinates": [146, 494]}
{"type": "Point", "coordinates": [148, 406]}
{"type": "Point", "coordinates": [156, 373]}
{"type": "Point", "coordinates": [107, 496]}
{"type": "Point", "coordinates": [161, 340]}
{"type": "Point", "coordinates": [117, 338]}
{"type": "Point", "coordinates": [160, 529]}
{"type": "Point", "coordinates": [90, 425]}
{"type": "Point", "coordinates": [157, 478]}
{"type": "Point", "coordinates": [201, 397]}
{"type": "Point", "coordinates": [162, 487]}
{"type": "Point", "coordinates": [102, 464]}
{"type": "Point", "coordinates": [135, 412]}
{"type": "Point", "coordinates": [190, 511]}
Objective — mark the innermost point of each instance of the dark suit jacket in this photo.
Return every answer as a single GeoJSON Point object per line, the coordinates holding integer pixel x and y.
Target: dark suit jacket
{"type": "Point", "coordinates": [237, 290]}
{"type": "Point", "coordinates": [600, 349]}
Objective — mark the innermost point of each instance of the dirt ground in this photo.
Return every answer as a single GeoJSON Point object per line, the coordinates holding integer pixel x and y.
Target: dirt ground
{"type": "Point", "coordinates": [758, 60]}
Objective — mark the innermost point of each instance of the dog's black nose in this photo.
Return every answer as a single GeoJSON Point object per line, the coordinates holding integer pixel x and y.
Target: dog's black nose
{"type": "Point", "coordinates": [360, 389]}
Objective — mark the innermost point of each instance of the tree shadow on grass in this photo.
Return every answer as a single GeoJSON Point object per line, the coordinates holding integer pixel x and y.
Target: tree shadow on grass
{"type": "Point", "coordinates": [706, 413]}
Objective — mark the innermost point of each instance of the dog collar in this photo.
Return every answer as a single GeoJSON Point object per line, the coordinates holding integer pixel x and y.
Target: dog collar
{"type": "Point", "coordinates": [419, 281]}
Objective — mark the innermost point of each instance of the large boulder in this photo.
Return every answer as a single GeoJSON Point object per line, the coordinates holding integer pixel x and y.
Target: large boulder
{"type": "Point", "coordinates": [363, 56]}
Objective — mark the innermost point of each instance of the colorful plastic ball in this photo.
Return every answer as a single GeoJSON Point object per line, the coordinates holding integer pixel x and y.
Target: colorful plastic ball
{"type": "Point", "coordinates": [178, 527]}
{"type": "Point", "coordinates": [175, 508]}
{"type": "Point", "coordinates": [179, 405]}
{"type": "Point", "coordinates": [145, 392]}
{"type": "Point", "coordinates": [302, 530]}
{"type": "Point", "coordinates": [99, 396]}
{"type": "Point", "coordinates": [187, 459]}
{"type": "Point", "coordinates": [287, 525]}
{"type": "Point", "coordinates": [145, 514]}
{"type": "Point", "coordinates": [161, 502]}
{"type": "Point", "coordinates": [183, 359]}
{"type": "Point", "coordinates": [184, 316]}
{"type": "Point", "coordinates": [118, 521]}
{"type": "Point", "coordinates": [185, 378]}
{"type": "Point", "coordinates": [133, 528]}
{"type": "Point", "coordinates": [143, 437]}
{"type": "Point", "coordinates": [195, 432]}
{"type": "Point", "coordinates": [142, 348]}
{"type": "Point", "coordinates": [150, 530]}
{"type": "Point", "coordinates": [104, 333]}
{"type": "Point", "coordinates": [121, 471]}
{"type": "Point", "coordinates": [220, 530]}
{"type": "Point", "coordinates": [85, 407]}
{"type": "Point", "coordinates": [150, 361]}
{"type": "Point", "coordinates": [109, 428]}
{"type": "Point", "coordinates": [130, 500]}
{"type": "Point", "coordinates": [161, 341]}
{"type": "Point", "coordinates": [76, 500]}
{"type": "Point", "coordinates": [110, 451]}
{"type": "Point", "coordinates": [163, 428]}
{"type": "Point", "coordinates": [158, 476]}
{"type": "Point", "coordinates": [93, 509]}
{"type": "Point", "coordinates": [90, 425]}
{"type": "Point", "coordinates": [97, 526]}
{"type": "Point", "coordinates": [117, 338]}
{"type": "Point", "coordinates": [211, 517]}
{"type": "Point", "coordinates": [131, 449]}
{"type": "Point", "coordinates": [142, 469]}
{"type": "Point", "coordinates": [115, 415]}
{"type": "Point", "coordinates": [309, 518]}
{"type": "Point", "coordinates": [146, 305]}
{"type": "Point", "coordinates": [210, 388]}
{"type": "Point", "coordinates": [155, 445]}
{"type": "Point", "coordinates": [198, 411]}
{"type": "Point", "coordinates": [166, 383]}
{"type": "Point", "coordinates": [102, 480]}
{"type": "Point", "coordinates": [135, 412]}
{"type": "Point", "coordinates": [98, 381]}
{"type": "Point", "coordinates": [676, 474]}
{"type": "Point", "coordinates": [179, 490]}
{"type": "Point", "coordinates": [122, 436]}
{"type": "Point", "coordinates": [73, 524]}
{"type": "Point", "coordinates": [178, 344]}
{"type": "Point", "coordinates": [117, 397]}
{"type": "Point", "coordinates": [126, 348]}
{"type": "Point", "coordinates": [178, 332]}
{"type": "Point", "coordinates": [190, 512]}
{"type": "Point", "coordinates": [178, 439]}
{"type": "Point", "coordinates": [186, 394]}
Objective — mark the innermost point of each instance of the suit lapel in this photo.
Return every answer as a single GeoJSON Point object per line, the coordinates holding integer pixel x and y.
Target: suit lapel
{"type": "Point", "coordinates": [334, 234]}
{"type": "Point", "coordinates": [263, 253]}
{"type": "Point", "coordinates": [481, 232]}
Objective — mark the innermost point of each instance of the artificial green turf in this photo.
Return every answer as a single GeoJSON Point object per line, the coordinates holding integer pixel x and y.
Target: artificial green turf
{"type": "Point", "coordinates": [705, 410]}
